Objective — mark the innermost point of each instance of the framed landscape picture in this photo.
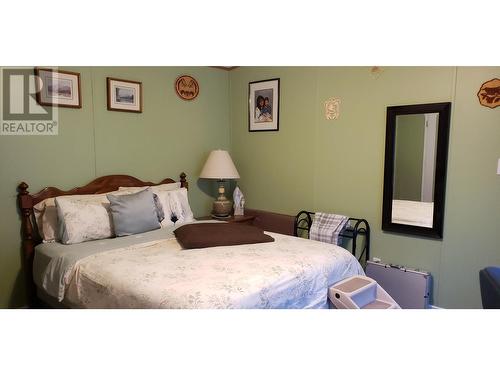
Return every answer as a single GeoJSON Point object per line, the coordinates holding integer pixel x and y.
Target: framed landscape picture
{"type": "Point", "coordinates": [58, 88]}
{"type": "Point", "coordinates": [263, 105]}
{"type": "Point", "coordinates": [124, 95]}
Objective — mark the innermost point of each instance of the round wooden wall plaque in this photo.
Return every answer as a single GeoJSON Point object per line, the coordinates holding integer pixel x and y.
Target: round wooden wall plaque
{"type": "Point", "coordinates": [187, 87]}
{"type": "Point", "coordinates": [489, 93]}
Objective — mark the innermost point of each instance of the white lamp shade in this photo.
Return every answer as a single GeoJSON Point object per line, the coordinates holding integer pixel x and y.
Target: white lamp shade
{"type": "Point", "coordinates": [220, 166]}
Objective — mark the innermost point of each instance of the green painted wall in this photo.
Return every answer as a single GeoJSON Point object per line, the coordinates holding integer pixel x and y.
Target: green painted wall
{"type": "Point", "coordinates": [313, 163]}
{"type": "Point", "coordinates": [170, 136]}
{"type": "Point", "coordinates": [409, 156]}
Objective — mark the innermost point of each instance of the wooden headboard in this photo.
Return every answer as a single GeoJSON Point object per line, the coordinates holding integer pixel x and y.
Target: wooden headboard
{"type": "Point", "coordinates": [29, 231]}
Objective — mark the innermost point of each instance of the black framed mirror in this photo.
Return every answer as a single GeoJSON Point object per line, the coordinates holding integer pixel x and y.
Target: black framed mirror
{"type": "Point", "coordinates": [416, 153]}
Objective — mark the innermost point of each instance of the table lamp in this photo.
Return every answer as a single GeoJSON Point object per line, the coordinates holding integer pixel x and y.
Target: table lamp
{"type": "Point", "coordinates": [220, 166]}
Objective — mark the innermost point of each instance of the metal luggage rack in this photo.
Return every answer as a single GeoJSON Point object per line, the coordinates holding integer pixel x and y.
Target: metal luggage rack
{"type": "Point", "coordinates": [354, 227]}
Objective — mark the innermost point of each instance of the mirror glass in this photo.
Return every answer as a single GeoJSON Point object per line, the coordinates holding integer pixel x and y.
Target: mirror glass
{"type": "Point", "coordinates": [414, 169]}
{"type": "Point", "coordinates": [416, 150]}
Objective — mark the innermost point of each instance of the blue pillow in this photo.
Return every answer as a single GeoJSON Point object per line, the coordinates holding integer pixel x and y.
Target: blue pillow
{"type": "Point", "coordinates": [133, 213]}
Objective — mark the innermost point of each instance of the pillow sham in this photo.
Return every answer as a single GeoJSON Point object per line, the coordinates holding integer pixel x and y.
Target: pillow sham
{"type": "Point", "coordinates": [195, 236]}
{"type": "Point", "coordinates": [83, 218]}
{"type": "Point", "coordinates": [175, 207]}
{"type": "Point", "coordinates": [46, 219]}
{"type": "Point", "coordinates": [182, 196]}
{"type": "Point", "coordinates": [134, 213]}
{"type": "Point", "coordinates": [171, 209]}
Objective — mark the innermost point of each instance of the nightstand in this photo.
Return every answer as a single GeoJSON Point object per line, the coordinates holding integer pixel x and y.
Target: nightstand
{"type": "Point", "coordinates": [247, 219]}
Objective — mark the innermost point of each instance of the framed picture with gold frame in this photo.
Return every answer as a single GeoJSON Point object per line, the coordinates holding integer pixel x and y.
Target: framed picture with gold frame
{"type": "Point", "coordinates": [124, 95]}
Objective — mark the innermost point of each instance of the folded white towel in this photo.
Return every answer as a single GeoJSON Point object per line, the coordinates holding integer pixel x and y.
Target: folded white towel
{"type": "Point", "coordinates": [327, 227]}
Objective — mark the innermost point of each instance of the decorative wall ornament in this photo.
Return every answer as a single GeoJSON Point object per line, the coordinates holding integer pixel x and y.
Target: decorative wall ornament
{"type": "Point", "coordinates": [332, 108]}
{"type": "Point", "coordinates": [239, 202]}
{"type": "Point", "coordinates": [187, 87]}
{"type": "Point", "coordinates": [489, 93]}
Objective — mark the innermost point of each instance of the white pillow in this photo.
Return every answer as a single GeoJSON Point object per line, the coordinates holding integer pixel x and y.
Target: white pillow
{"type": "Point", "coordinates": [46, 219]}
{"type": "Point", "coordinates": [182, 195]}
{"type": "Point", "coordinates": [83, 218]}
{"type": "Point", "coordinates": [175, 202]}
{"type": "Point", "coordinates": [169, 207]}
{"type": "Point", "coordinates": [46, 215]}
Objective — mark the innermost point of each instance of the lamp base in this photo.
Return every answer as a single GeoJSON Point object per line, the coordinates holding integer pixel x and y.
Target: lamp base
{"type": "Point", "coordinates": [216, 217]}
{"type": "Point", "coordinates": [222, 208]}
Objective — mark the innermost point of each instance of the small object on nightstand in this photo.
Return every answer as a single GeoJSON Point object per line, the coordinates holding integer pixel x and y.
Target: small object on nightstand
{"type": "Point", "coordinates": [239, 202]}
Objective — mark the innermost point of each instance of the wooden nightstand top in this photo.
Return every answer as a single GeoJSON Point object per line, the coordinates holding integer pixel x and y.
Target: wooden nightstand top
{"type": "Point", "coordinates": [231, 219]}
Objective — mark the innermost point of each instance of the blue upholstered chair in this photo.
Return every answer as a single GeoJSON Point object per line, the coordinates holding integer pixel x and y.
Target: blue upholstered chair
{"type": "Point", "coordinates": [489, 281]}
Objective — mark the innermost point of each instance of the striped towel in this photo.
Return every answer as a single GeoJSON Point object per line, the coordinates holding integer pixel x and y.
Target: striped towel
{"type": "Point", "coordinates": [327, 227]}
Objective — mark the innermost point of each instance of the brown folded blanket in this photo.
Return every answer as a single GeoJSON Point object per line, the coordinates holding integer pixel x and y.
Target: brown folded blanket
{"type": "Point", "coordinates": [194, 236]}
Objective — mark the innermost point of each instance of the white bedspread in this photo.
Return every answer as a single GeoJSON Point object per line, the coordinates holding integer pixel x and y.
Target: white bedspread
{"type": "Point", "coordinates": [288, 273]}
{"type": "Point", "coordinates": [412, 213]}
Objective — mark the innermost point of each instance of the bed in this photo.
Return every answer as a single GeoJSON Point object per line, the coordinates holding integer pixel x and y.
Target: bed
{"type": "Point", "coordinates": [151, 270]}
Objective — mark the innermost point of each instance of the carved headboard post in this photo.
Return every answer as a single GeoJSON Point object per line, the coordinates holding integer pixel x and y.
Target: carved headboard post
{"type": "Point", "coordinates": [184, 182]}
{"type": "Point", "coordinates": [28, 239]}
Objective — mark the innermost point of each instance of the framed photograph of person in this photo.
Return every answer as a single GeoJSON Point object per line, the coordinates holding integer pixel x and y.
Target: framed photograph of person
{"type": "Point", "coordinates": [124, 95]}
{"type": "Point", "coordinates": [263, 105]}
{"type": "Point", "coordinates": [58, 88]}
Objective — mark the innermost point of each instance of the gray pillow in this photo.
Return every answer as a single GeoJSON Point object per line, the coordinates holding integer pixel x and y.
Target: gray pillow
{"type": "Point", "coordinates": [133, 213]}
